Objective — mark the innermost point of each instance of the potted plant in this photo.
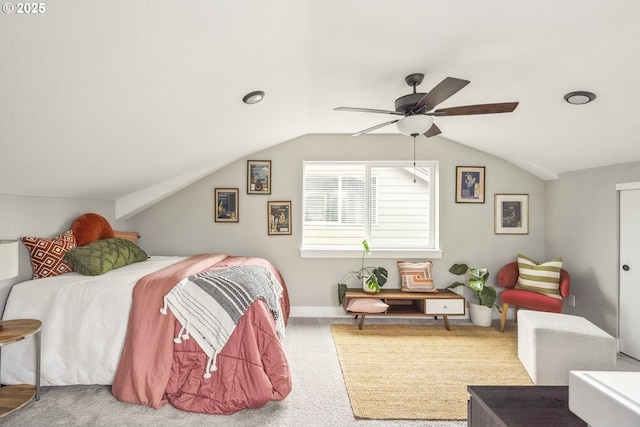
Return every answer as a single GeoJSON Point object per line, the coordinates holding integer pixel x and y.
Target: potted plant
{"type": "Point", "coordinates": [373, 278]}
{"type": "Point", "coordinates": [480, 311]}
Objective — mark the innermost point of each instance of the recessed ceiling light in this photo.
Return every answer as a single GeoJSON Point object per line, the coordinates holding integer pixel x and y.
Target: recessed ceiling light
{"type": "Point", "coordinates": [579, 97]}
{"type": "Point", "coordinates": [253, 97]}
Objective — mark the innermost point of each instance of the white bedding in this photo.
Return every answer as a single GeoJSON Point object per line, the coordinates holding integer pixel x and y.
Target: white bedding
{"type": "Point", "coordinates": [84, 323]}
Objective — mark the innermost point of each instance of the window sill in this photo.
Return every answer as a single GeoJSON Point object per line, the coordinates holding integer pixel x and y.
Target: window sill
{"type": "Point", "coordinates": [382, 253]}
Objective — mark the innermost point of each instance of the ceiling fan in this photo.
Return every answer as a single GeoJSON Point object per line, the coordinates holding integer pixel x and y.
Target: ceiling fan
{"type": "Point", "coordinates": [415, 108]}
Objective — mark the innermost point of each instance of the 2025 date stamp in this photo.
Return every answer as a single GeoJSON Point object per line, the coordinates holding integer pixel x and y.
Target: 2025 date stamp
{"type": "Point", "coordinates": [24, 8]}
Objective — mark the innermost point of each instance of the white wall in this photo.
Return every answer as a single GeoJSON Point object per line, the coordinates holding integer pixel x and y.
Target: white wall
{"type": "Point", "coordinates": [42, 217]}
{"type": "Point", "coordinates": [582, 227]}
{"type": "Point", "coordinates": [183, 224]}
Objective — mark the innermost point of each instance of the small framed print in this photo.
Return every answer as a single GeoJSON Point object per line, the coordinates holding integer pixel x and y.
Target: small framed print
{"type": "Point", "coordinates": [511, 214]}
{"type": "Point", "coordinates": [227, 205]}
{"type": "Point", "coordinates": [279, 218]}
{"type": "Point", "coordinates": [470, 184]}
{"type": "Point", "coordinates": [258, 176]}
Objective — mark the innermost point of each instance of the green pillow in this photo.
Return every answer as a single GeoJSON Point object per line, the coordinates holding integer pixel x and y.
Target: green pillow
{"type": "Point", "coordinates": [541, 277]}
{"type": "Point", "coordinates": [104, 255]}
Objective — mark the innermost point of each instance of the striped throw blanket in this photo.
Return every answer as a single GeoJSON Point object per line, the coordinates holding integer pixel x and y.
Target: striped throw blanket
{"type": "Point", "coordinates": [210, 304]}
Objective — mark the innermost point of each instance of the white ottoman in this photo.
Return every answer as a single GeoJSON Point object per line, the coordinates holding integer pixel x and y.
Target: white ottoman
{"type": "Point", "coordinates": [552, 344]}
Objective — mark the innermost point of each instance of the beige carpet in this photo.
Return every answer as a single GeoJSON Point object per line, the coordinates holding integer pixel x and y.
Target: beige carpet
{"type": "Point", "coordinates": [422, 371]}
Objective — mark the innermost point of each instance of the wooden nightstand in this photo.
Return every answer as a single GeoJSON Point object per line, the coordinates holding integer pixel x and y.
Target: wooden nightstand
{"type": "Point", "coordinates": [14, 397]}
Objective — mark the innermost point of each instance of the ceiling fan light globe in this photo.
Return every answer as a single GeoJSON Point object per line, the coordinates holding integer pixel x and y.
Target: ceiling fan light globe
{"type": "Point", "coordinates": [415, 125]}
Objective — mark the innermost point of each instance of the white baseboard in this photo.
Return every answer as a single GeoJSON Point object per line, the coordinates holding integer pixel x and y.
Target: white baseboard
{"type": "Point", "coordinates": [307, 311]}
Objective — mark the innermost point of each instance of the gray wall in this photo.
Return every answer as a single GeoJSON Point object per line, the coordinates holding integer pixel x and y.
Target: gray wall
{"type": "Point", "coordinates": [575, 217]}
{"type": "Point", "coordinates": [43, 217]}
{"type": "Point", "coordinates": [582, 226]}
{"type": "Point", "coordinates": [183, 224]}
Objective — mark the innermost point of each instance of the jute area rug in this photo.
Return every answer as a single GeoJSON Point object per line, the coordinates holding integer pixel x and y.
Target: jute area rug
{"type": "Point", "coordinates": [421, 372]}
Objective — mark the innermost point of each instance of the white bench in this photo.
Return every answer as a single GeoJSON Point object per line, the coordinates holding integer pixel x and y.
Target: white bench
{"type": "Point", "coordinates": [605, 399]}
{"type": "Point", "coordinates": [551, 344]}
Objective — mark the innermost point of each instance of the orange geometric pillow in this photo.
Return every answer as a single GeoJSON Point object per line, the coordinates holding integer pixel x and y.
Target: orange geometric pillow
{"type": "Point", "coordinates": [91, 227]}
{"type": "Point", "coordinates": [46, 254]}
{"type": "Point", "coordinates": [416, 276]}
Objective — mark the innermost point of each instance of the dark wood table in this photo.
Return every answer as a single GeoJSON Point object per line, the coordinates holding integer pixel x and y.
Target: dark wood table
{"type": "Point", "coordinates": [520, 406]}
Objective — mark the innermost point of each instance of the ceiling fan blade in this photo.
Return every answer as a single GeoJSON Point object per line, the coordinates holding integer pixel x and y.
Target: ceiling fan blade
{"type": "Point", "coordinates": [433, 131]}
{"type": "Point", "coordinates": [362, 132]}
{"type": "Point", "coordinates": [441, 92]}
{"type": "Point", "coordinates": [505, 107]}
{"type": "Point", "coordinates": [367, 110]}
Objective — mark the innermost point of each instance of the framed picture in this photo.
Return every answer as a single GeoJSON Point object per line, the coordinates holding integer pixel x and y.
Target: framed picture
{"type": "Point", "coordinates": [279, 218]}
{"type": "Point", "coordinates": [227, 205]}
{"type": "Point", "coordinates": [470, 184]}
{"type": "Point", "coordinates": [511, 214]}
{"type": "Point", "coordinates": [258, 176]}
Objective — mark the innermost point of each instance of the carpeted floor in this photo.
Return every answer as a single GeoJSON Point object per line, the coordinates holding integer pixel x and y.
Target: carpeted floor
{"type": "Point", "coordinates": [422, 371]}
{"type": "Point", "coordinates": [319, 397]}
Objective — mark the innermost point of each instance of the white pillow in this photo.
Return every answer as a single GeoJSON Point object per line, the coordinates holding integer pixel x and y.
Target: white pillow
{"type": "Point", "coordinates": [366, 305]}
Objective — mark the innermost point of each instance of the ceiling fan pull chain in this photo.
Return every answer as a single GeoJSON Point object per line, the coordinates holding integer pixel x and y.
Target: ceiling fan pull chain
{"type": "Point", "coordinates": [414, 159]}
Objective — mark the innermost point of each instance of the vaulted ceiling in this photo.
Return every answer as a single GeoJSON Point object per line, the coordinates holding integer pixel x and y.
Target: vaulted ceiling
{"type": "Point", "coordinates": [131, 100]}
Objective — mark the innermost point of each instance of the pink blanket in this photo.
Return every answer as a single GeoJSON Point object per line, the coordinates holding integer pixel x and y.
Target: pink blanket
{"type": "Point", "coordinates": [153, 371]}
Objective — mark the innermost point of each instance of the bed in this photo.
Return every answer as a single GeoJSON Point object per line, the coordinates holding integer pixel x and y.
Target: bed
{"type": "Point", "coordinates": [110, 329]}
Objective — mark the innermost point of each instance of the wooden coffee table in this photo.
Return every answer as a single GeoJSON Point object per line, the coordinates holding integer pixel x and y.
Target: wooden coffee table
{"type": "Point", "coordinates": [442, 303]}
{"type": "Point", "coordinates": [14, 397]}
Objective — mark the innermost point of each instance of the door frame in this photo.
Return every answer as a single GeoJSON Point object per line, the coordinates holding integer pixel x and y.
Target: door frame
{"type": "Point", "coordinates": [621, 187]}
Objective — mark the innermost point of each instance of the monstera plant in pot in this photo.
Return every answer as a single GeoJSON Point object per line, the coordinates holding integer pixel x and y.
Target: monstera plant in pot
{"type": "Point", "coordinates": [373, 278]}
{"type": "Point", "coordinates": [480, 311]}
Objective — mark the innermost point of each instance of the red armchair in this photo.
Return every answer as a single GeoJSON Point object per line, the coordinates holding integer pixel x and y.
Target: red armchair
{"type": "Point", "coordinates": [508, 277]}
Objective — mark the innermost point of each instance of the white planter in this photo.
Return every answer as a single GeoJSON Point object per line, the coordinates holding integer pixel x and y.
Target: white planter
{"type": "Point", "coordinates": [365, 287]}
{"type": "Point", "coordinates": [481, 315]}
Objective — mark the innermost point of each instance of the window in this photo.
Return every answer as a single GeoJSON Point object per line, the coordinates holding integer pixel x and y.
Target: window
{"type": "Point", "coordinates": [391, 204]}
{"type": "Point", "coordinates": [337, 198]}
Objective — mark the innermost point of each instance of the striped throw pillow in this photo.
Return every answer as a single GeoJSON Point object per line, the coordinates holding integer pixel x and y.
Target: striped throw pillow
{"type": "Point", "coordinates": [416, 276]}
{"type": "Point", "coordinates": [539, 277]}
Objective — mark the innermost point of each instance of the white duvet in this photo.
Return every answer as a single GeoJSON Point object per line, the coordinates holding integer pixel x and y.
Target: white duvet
{"type": "Point", "coordinates": [84, 323]}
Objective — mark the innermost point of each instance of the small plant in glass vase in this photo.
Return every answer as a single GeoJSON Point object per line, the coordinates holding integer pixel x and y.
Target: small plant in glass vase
{"type": "Point", "coordinates": [373, 278]}
{"type": "Point", "coordinates": [480, 311]}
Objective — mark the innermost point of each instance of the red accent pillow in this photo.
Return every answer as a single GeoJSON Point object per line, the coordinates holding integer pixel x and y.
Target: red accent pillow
{"type": "Point", "coordinates": [46, 254]}
{"type": "Point", "coordinates": [91, 227]}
